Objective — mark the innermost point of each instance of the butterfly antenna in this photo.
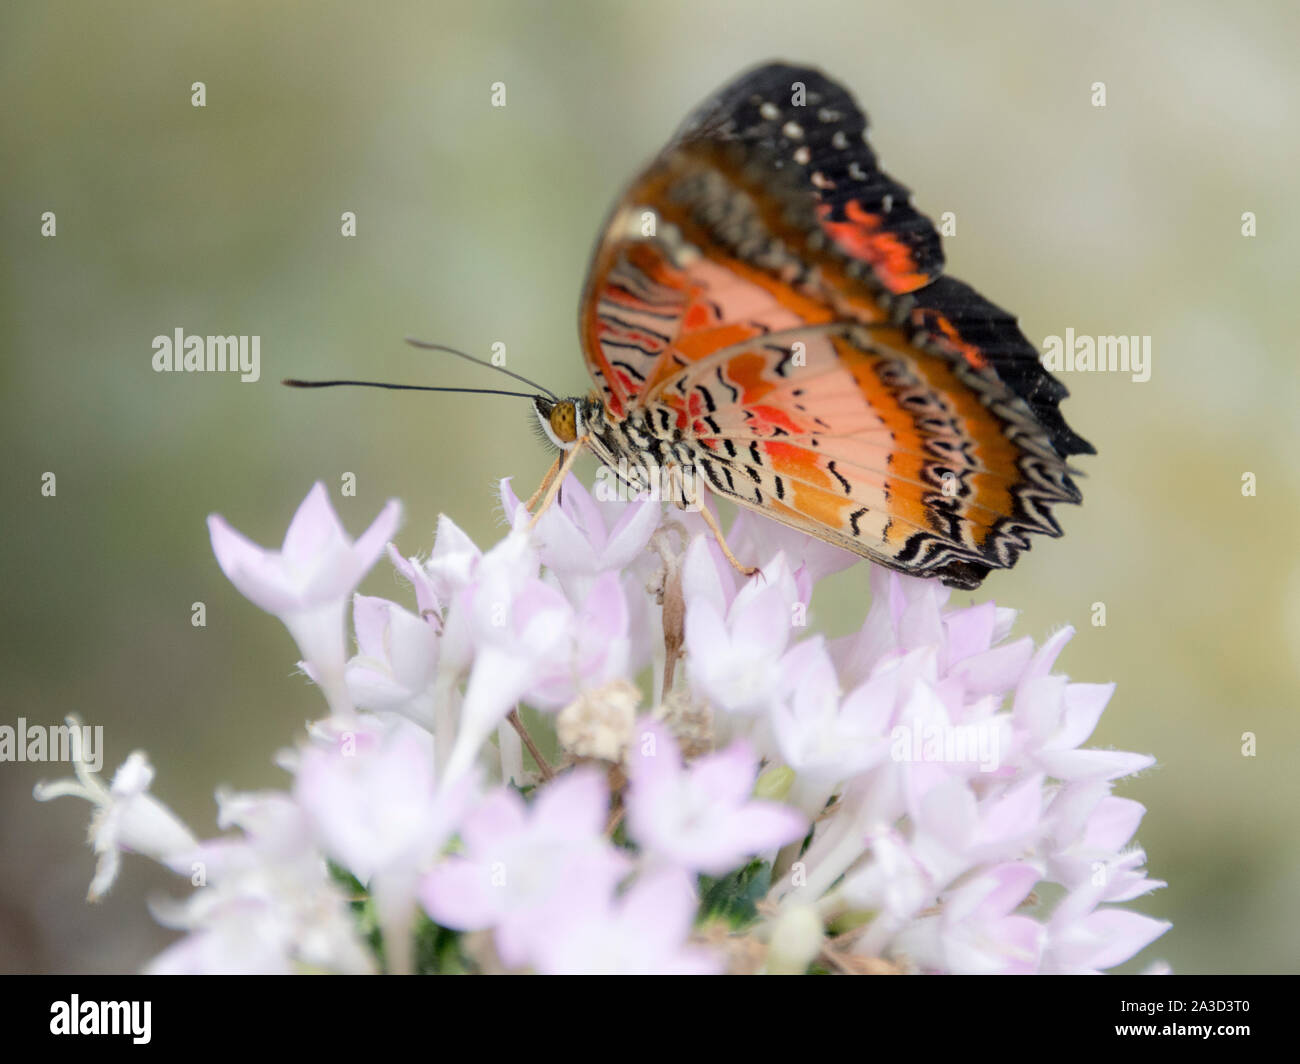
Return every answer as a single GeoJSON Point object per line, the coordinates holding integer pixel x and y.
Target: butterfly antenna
{"type": "Point", "coordinates": [426, 346]}
{"type": "Point", "coordinates": [294, 383]}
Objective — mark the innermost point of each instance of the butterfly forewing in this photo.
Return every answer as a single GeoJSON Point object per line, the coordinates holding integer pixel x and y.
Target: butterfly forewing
{"type": "Point", "coordinates": [768, 300]}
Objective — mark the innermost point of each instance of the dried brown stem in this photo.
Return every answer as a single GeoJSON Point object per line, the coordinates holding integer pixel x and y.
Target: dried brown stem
{"type": "Point", "coordinates": [543, 766]}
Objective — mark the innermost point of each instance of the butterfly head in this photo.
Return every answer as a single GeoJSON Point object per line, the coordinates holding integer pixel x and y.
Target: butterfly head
{"type": "Point", "coordinates": [566, 421]}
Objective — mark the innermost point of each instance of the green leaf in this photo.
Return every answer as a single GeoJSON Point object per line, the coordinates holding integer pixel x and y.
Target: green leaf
{"type": "Point", "coordinates": [438, 950]}
{"type": "Point", "coordinates": [735, 897]}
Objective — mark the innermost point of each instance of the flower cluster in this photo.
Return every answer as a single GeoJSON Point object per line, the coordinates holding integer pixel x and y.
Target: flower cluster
{"type": "Point", "coordinates": [596, 747]}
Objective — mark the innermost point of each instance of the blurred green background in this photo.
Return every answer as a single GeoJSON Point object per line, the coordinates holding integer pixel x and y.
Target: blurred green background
{"type": "Point", "coordinates": [474, 226]}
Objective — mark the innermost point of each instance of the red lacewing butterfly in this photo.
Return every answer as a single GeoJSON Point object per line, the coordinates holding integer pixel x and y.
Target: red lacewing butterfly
{"type": "Point", "coordinates": [765, 311]}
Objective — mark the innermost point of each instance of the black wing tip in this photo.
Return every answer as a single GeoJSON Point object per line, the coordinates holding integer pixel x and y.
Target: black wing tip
{"type": "Point", "coordinates": [996, 334]}
{"type": "Point", "coordinates": [964, 576]}
{"type": "Point", "coordinates": [1070, 442]}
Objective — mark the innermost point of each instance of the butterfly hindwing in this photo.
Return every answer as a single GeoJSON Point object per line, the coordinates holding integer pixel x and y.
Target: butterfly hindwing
{"type": "Point", "coordinates": [861, 438]}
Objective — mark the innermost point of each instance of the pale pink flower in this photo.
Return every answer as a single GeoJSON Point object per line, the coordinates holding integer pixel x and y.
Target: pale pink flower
{"type": "Point", "coordinates": [376, 808]}
{"type": "Point", "coordinates": [428, 601]}
{"type": "Point", "coordinates": [264, 904]}
{"type": "Point", "coordinates": [921, 780]}
{"type": "Point", "coordinates": [307, 582]}
{"type": "Point", "coordinates": [396, 664]}
{"type": "Point", "coordinates": [702, 817]}
{"type": "Point", "coordinates": [977, 931]}
{"type": "Point", "coordinates": [579, 536]}
{"type": "Point", "coordinates": [1080, 939]}
{"type": "Point", "coordinates": [644, 931]}
{"type": "Point", "coordinates": [827, 739]}
{"type": "Point", "coordinates": [736, 652]}
{"type": "Point", "coordinates": [527, 870]}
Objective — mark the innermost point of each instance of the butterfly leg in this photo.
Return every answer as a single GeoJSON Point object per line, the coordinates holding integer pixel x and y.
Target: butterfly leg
{"type": "Point", "coordinates": [546, 483]}
{"type": "Point", "coordinates": [565, 463]}
{"type": "Point", "coordinates": [692, 497]}
{"type": "Point", "coordinates": [737, 564]}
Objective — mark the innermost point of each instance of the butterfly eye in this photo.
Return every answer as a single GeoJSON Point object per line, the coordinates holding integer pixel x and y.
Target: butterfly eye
{"type": "Point", "coordinates": [564, 422]}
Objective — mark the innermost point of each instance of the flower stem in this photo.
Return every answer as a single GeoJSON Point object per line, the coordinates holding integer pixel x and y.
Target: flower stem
{"type": "Point", "coordinates": [543, 766]}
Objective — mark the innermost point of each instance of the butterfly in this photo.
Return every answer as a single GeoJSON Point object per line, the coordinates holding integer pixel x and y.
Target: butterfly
{"type": "Point", "coordinates": [766, 317]}
{"type": "Point", "coordinates": [766, 309]}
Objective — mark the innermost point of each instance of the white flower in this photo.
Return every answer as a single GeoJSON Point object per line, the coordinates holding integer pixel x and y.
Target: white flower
{"type": "Point", "coordinates": [265, 904]}
{"type": "Point", "coordinates": [376, 809]}
{"type": "Point", "coordinates": [397, 660]}
{"type": "Point", "coordinates": [127, 818]}
{"type": "Point", "coordinates": [736, 653]}
{"type": "Point", "coordinates": [307, 582]}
